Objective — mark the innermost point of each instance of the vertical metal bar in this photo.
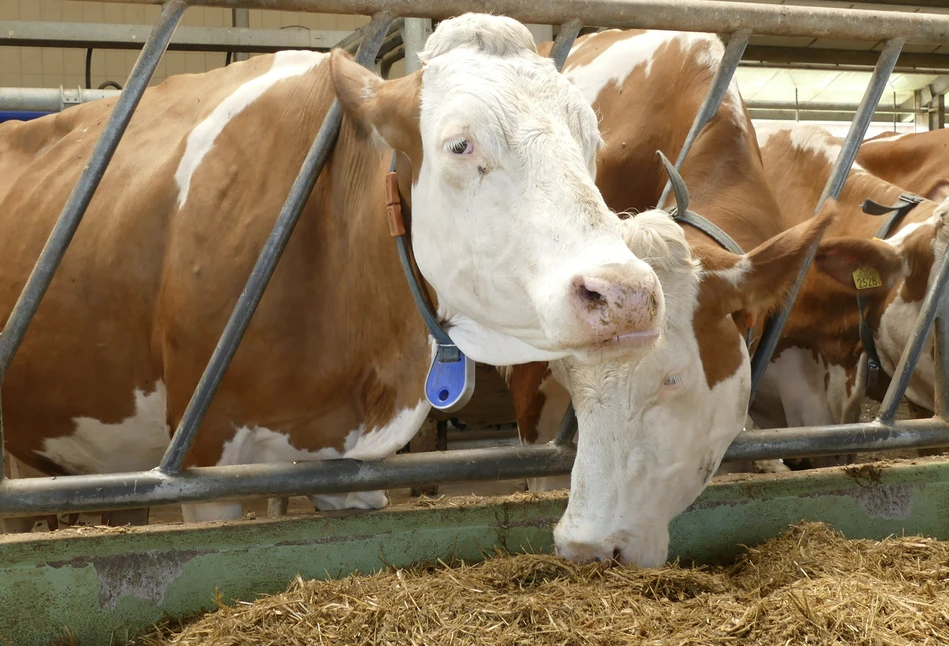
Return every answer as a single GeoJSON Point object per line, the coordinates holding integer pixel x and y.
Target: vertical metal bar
{"type": "Point", "coordinates": [266, 262]}
{"type": "Point", "coordinates": [568, 427]}
{"type": "Point", "coordinates": [240, 18]}
{"type": "Point", "coordinates": [558, 52]}
{"type": "Point", "coordinates": [564, 42]}
{"type": "Point", "coordinates": [415, 32]}
{"type": "Point", "coordinates": [68, 222]}
{"type": "Point", "coordinates": [723, 78]}
{"type": "Point", "coordinates": [832, 189]}
{"type": "Point", "coordinates": [3, 453]}
{"type": "Point", "coordinates": [907, 363]}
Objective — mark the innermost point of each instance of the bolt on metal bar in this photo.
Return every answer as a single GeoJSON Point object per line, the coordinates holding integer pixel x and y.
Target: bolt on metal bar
{"type": "Point", "coordinates": [903, 372]}
{"type": "Point", "coordinates": [266, 263]}
{"type": "Point", "coordinates": [92, 173]}
{"type": "Point", "coordinates": [716, 16]}
{"type": "Point", "coordinates": [723, 78]}
{"type": "Point", "coordinates": [564, 42]}
{"type": "Point", "coordinates": [148, 488]}
{"type": "Point", "coordinates": [835, 183]}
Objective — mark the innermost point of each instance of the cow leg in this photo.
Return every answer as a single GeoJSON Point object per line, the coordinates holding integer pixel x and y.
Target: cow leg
{"type": "Point", "coordinates": [354, 500]}
{"type": "Point", "coordinates": [277, 507]}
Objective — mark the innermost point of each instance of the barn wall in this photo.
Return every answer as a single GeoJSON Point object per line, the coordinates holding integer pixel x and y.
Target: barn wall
{"type": "Point", "coordinates": [53, 66]}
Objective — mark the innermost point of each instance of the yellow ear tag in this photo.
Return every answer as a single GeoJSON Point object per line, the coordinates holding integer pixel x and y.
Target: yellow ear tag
{"type": "Point", "coordinates": [867, 278]}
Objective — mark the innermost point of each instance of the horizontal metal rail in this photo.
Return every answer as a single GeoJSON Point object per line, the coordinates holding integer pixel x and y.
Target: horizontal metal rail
{"type": "Point", "coordinates": [28, 496]}
{"type": "Point", "coordinates": [189, 39]}
{"type": "Point", "coordinates": [49, 99]}
{"type": "Point", "coordinates": [821, 106]}
{"type": "Point", "coordinates": [715, 16]}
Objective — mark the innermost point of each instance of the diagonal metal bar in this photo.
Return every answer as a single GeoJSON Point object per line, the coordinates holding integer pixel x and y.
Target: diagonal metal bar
{"type": "Point", "coordinates": [723, 78]}
{"type": "Point", "coordinates": [835, 183]}
{"type": "Point", "coordinates": [907, 363]}
{"type": "Point", "coordinates": [266, 263]}
{"type": "Point", "coordinates": [564, 42]}
{"type": "Point", "coordinates": [79, 199]}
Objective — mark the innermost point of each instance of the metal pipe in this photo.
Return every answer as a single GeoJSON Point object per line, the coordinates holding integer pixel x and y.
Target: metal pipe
{"type": "Point", "coordinates": [49, 99]}
{"type": "Point", "coordinates": [903, 372]}
{"type": "Point", "coordinates": [846, 60]}
{"type": "Point", "coordinates": [835, 183]}
{"type": "Point", "coordinates": [148, 488]}
{"type": "Point", "coordinates": [28, 496]}
{"type": "Point", "coordinates": [352, 40]}
{"type": "Point", "coordinates": [723, 78]}
{"type": "Point", "coordinates": [266, 263]}
{"type": "Point", "coordinates": [92, 173]}
{"type": "Point", "coordinates": [838, 439]}
{"type": "Point", "coordinates": [825, 107]}
{"type": "Point", "coordinates": [85, 35]}
{"type": "Point", "coordinates": [718, 16]}
{"type": "Point", "coordinates": [415, 32]}
{"type": "Point", "coordinates": [564, 42]}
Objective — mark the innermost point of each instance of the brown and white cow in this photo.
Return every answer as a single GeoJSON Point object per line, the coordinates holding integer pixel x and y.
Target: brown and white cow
{"type": "Point", "coordinates": [665, 420]}
{"type": "Point", "coordinates": [918, 162]}
{"type": "Point", "coordinates": [519, 250]}
{"type": "Point", "coordinates": [818, 374]}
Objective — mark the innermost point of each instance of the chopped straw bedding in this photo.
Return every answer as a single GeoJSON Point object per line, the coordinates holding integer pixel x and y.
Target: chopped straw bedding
{"type": "Point", "coordinates": [810, 586]}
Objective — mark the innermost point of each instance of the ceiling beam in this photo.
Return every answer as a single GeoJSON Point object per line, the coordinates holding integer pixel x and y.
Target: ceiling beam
{"type": "Point", "coordinates": [840, 59]}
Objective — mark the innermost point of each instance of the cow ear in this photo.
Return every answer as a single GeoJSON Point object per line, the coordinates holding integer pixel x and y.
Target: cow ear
{"type": "Point", "coordinates": [388, 109]}
{"type": "Point", "coordinates": [866, 267]}
{"type": "Point", "coordinates": [758, 281]}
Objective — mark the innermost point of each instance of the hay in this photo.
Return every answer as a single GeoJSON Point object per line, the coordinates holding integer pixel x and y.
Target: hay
{"type": "Point", "coordinates": [810, 586]}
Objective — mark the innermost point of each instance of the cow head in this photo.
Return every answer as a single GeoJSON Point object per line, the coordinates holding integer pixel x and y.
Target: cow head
{"type": "Point", "coordinates": [508, 226]}
{"type": "Point", "coordinates": [653, 431]}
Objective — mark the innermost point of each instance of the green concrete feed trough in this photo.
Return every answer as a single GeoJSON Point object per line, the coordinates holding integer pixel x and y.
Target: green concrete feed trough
{"type": "Point", "coordinates": [108, 585]}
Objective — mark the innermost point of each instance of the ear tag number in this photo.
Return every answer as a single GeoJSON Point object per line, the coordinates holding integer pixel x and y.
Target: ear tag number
{"type": "Point", "coordinates": [867, 278]}
{"type": "Point", "coordinates": [450, 384]}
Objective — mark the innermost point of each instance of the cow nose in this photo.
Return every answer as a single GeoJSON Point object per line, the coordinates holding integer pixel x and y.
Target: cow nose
{"type": "Point", "coordinates": [618, 305]}
{"type": "Point", "coordinates": [583, 552]}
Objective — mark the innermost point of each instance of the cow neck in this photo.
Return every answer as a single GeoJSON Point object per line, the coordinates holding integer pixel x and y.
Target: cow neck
{"type": "Point", "coordinates": [894, 215]}
{"type": "Point", "coordinates": [450, 382]}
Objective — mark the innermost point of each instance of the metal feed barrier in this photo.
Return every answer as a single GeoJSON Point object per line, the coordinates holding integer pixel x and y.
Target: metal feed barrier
{"type": "Point", "coordinates": [170, 483]}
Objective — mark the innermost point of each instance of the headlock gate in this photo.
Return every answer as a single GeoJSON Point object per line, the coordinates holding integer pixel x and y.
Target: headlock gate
{"type": "Point", "coordinates": [170, 483]}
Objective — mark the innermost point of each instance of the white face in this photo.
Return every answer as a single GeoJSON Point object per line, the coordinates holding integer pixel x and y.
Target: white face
{"type": "Point", "coordinates": [507, 223]}
{"type": "Point", "coordinates": [652, 431]}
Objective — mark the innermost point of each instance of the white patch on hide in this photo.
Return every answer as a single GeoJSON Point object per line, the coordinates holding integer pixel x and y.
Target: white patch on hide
{"type": "Point", "coordinates": [137, 443]}
{"type": "Point", "coordinates": [286, 64]}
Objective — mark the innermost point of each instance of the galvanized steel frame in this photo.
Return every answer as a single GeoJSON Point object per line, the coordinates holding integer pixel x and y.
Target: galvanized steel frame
{"type": "Point", "coordinates": [169, 483]}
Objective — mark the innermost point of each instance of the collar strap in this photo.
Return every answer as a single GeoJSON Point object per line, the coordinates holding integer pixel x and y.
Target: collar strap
{"type": "Point", "coordinates": [707, 227]}
{"type": "Point", "coordinates": [906, 203]}
{"type": "Point", "coordinates": [447, 350]}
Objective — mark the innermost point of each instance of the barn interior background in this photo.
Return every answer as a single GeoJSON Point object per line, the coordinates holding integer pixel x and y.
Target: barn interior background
{"type": "Point", "coordinates": [57, 53]}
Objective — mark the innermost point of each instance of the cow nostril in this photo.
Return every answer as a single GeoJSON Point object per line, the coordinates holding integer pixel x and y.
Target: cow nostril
{"type": "Point", "coordinates": [597, 559]}
{"type": "Point", "coordinates": [617, 554]}
{"type": "Point", "coordinates": [589, 294]}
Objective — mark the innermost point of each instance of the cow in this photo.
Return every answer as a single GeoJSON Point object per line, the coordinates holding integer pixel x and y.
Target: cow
{"type": "Point", "coordinates": [820, 373]}
{"type": "Point", "coordinates": [517, 248]}
{"type": "Point", "coordinates": [676, 409]}
{"type": "Point", "coordinates": [916, 162]}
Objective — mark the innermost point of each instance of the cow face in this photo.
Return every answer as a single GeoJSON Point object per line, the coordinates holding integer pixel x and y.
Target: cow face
{"type": "Point", "coordinates": [508, 226]}
{"type": "Point", "coordinates": [653, 431]}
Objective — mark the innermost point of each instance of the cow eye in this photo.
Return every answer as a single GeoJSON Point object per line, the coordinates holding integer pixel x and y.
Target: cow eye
{"type": "Point", "coordinates": [673, 380]}
{"type": "Point", "coordinates": [460, 146]}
